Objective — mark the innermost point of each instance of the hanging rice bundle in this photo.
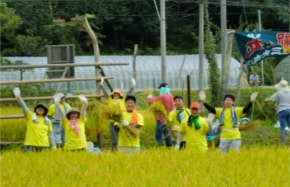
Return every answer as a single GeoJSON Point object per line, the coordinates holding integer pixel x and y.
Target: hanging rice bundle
{"type": "Point", "coordinates": [157, 107]}
{"type": "Point", "coordinates": [250, 125]}
{"type": "Point", "coordinates": [112, 112]}
{"type": "Point", "coordinates": [131, 131]}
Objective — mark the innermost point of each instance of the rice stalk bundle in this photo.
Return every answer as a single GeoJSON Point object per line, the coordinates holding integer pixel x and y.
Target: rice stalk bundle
{"type": "Point", "coordinates": [112, 112]}
{"type": "Point", "coordinates": [157, 107]}
{"type": "Point", "coordinates": [131, 131]}
{"type": "Point", "coordinates": [250, 125]}
{"type": "Point", "coordinates": [148, 91]}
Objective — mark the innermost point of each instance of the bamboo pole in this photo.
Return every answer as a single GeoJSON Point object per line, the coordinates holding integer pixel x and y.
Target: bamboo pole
{"type": "Point", "coordinates": [61, 65]}
{"type": "Point", "coordinates": [52, 80]}
{"type": "Point", "coordinates": [48, 98]}
{"type": "Point", "coordinates": [12, 117]}
{"type": "Point", "coordinates": [39, 98]}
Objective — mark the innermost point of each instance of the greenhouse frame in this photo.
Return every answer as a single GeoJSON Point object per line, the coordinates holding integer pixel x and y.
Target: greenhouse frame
{"type": "Point", "coordinates": [148, 69]}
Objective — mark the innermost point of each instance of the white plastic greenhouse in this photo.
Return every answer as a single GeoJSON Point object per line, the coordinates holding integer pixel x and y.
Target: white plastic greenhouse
{"type": "Point", "coordinates": [148, 71]}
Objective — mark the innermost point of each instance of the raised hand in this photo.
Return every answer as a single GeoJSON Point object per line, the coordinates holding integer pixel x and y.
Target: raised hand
{"type": "Point", "coordinates": [133, 83]}
{"type": "Point", "coordinates": [16, 92]}
{"type": "Point", "coordinates": [201, 95]}
{"type": "Point", "coordinates": [254, 96]}
{"type": "Point", "coordinates": [56, 98]}
{"type": "Point", "coordinates": [83, 98]}
{"type": "Point", "coordinates": [125, 123]}
{"type": "Point", "coordinates": [102, 81]}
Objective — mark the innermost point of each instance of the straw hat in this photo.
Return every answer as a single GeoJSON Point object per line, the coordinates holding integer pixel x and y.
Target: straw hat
{"type": "Point", "coordinates": [282, 86]}
{"type": "Point", "coordinates": [117, 90]}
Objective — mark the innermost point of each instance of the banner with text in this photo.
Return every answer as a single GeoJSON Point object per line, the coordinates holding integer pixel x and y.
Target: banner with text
{"type": "Point", "coordinates": [255, 46]}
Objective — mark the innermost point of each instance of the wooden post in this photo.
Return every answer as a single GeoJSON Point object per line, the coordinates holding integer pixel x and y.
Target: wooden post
{"type": "Point", "coordinates": [97, 60]}
{"type": "Point", "coordinates": [188, 91]}
{"type": "Point", "coordinates": [134, 61]}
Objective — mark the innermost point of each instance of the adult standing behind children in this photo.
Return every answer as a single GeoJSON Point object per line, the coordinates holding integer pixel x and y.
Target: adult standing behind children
{"type": "Point", "coordinates": [254, 79]}
{"type": "Point", "coordinates": [54, 114]}
{"type": "Point", "coordinates": [229, 117]}
{"type": "Point", "coordinates": [167, 99]}
{"type": "Point", "coordinates": [176, 116]}
{"type": "Point", "coordinates": [282, 100]}
{"type": "Point", "coordinates": [74, 125]}
{"type": "Point", "coordinates": [116, 98]}
{"type": "Point", "coordinates": [38, 134]}
{"type": "Point", "coordinates": [128, 130]}
{"type": "Point", "coordinates": [194, 129]}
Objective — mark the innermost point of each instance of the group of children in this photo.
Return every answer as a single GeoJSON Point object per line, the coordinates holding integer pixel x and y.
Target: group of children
{"type": "Point", "coordinates": [44, 131]}
{"type": "Point", "coordinates": [189, 129]}
{"type": "Point", "coordinates": [63, 126]}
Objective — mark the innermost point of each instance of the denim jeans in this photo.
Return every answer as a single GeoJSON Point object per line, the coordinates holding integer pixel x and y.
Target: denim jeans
{"type": "Point", "coordinates": [284, 117]}
{"type": "Point", "coordinates": [58, 133]}
{"type": "Point", "coordinates": [162, 129]}
{"type": "Point", "coordinates": [114, 136]}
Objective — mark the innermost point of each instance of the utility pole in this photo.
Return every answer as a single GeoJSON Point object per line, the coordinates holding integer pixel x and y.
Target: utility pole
{"type": "Point", "coordinates": [201, 43]}
{"type": "Point", "coordinates": [223, 44]}
{"type": "Point", "coordinates": [163, 40]}
{"type": "Point", "coordinates": [262, 63]}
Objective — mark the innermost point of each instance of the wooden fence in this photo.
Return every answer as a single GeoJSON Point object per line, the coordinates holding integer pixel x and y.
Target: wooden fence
{"type": "Point", "coordinates": [62, 79]}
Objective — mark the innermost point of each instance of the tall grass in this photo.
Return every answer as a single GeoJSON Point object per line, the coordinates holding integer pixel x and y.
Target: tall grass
{"type": "Point", "coordinates": [257, 166]}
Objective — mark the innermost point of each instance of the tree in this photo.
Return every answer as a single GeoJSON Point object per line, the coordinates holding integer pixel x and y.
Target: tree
{"type": "Point", "coordinates": [10, 22]}
{"type": "Point", "coordinates": [214, 75]}
{"type": "Point", "coordinates": [31, 45]}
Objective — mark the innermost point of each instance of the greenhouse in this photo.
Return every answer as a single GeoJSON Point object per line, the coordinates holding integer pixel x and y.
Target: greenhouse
{"type": "Point", "coordinates": [148, 72]}
{"type": "Point", "coordinates": [282, 70]}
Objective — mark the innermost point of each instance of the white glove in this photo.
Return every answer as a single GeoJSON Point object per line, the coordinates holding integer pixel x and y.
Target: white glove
{"type": "Point", "coordinates": [253, 96]}
{"type": "Point", "coordinates": [83, 98]}
{"type": "Point", "coordinates": [201, 95]}
{"type": "Point", "coordinates": [176, 147]}
{"type": "Point", "coordinates": [16, 92]}
{"type": "Point", "coordinates": [56, 98]}
{"type": "Point", "coordinates": [210, 118]}
{"type": "Point", "coordinates": [149, 96]}
{"type": "Point", "coordinates": [125, 123]}
{"type": "Point", "coordinates": [102, 81]}
{"type": "Point", "coordinates": [133, 83]}
{"type": "Point", "coordinates": [175, 128]}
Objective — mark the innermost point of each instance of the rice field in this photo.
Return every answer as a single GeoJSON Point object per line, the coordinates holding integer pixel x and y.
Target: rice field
{"type": "Point", "coordinates": [255, 166]}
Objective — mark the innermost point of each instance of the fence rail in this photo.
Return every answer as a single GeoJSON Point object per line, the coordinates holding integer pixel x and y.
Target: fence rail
{"type": "Point", "coordinates": [52, 80]}
{"type": "Point", "coordinates": [48, 98]}
{"type": "Point", "coordinates": [40, 98]}
{"type": "Point", "coordinates": [61, 65]}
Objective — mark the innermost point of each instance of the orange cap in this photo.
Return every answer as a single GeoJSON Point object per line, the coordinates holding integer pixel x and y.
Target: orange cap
{"type": "Point", "coordinates": [195, 105]}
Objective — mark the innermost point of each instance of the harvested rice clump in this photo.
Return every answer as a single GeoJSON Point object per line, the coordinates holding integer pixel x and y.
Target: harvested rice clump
{"type": "Point", "coordinates": [112, 112]}
{"type": "Point", "coordinates": [158, 108]}
{"type": "Point", "coordinates": [131, 131]}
